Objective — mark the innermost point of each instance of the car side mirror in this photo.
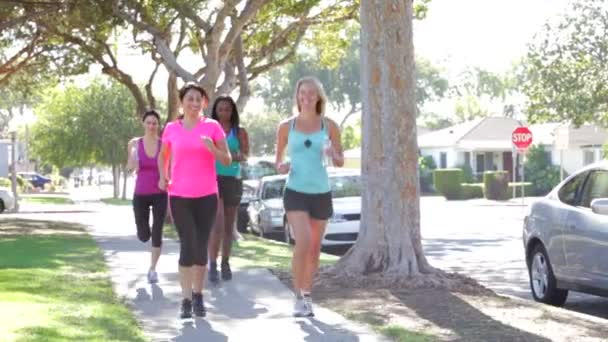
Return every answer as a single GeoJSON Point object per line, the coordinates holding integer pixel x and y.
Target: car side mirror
{"type": "Point", "coordinates": [600, 206]}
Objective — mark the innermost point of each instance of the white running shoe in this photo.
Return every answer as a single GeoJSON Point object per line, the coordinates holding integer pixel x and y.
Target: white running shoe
{"type": "Point", "coordinates": [302, 309]}
{"type": "Point", "coordinates": [308, 303]}
{"type": "Point", "coordinates": [152, 277]}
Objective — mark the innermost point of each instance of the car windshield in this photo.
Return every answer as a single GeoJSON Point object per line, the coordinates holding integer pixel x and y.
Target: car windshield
{"type": "Point", "coordinates": [273, 189]}
{"type": "Point", "coordinates": [345, 186]}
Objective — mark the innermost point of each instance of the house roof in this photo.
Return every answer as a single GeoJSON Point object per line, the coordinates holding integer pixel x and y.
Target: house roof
{"type": "Point", "coordinates": [568, 136]}
{"type": "Point", "coordinates": [489, 132]}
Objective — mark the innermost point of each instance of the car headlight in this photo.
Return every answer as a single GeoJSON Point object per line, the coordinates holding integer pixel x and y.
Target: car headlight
{"type": "Point", "coordinates": [337, 218]}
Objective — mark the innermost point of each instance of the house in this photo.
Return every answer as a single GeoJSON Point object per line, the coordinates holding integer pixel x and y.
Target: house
{"type": "Point", "coordinates": [5, 146]}
{"type": "Point", "coordinates": [485, 144]}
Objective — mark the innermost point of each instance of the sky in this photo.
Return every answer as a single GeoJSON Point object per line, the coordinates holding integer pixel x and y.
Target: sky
{"type": "Point", "coordinates": [490, 34]}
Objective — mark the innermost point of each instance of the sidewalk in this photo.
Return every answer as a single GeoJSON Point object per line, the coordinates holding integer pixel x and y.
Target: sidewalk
{"type": "Point", "coordinates": [255, 305]}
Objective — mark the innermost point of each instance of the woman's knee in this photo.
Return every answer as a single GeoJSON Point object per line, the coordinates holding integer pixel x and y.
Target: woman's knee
{"type": "Point", "coordinates": [143, 233]}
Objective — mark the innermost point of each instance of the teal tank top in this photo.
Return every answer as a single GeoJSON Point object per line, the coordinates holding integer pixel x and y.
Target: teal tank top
{"type": "Point", "coordinates": [307, 173]}
{"type": "Point", "coordinates": [234, 146]}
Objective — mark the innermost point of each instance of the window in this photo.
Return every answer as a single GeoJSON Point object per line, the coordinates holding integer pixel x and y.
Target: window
{"type": "Point", "coordinates": [480, 163]}
{"type": "Point", "coordinates": [467, 158]}
{"type": "Point", "coordinates": [588, 157]}
{"type": "Point", "coordinates": [595, 187]}
{"type": "Point", "coordinates": [345, 186]}
{"type": "Point", "coordinates": [568, 193]}
{"type": "Point", "coordinates": [443, 160]}
{"type": "Point", "coordinates": [273, 189]}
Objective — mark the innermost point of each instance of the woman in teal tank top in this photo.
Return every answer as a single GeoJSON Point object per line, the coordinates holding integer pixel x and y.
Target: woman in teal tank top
{"type": "Point", "coordinates": [229, 185]}
{"type": "Point", "coordinates": [309, 138]}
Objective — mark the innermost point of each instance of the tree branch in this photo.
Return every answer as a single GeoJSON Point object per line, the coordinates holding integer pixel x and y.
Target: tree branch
{"type": "Point", "coordinates": [250, 10]}
{"type": "Point", "coordinates": [160, 42]}
{"type": "Point", "coordinates": [244, 90]}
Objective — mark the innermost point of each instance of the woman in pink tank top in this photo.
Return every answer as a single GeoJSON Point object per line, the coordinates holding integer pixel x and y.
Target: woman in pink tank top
{"type": "Point", "coordinates": [143, 158]}
{"type": "Point", "coordinates": [192, 143]}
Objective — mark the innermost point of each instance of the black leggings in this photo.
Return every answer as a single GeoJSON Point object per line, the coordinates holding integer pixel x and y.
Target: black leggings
{"type": "Point", "coordinates": [194, 219]}
{"type": "Point", "coordinates": [141, 208]}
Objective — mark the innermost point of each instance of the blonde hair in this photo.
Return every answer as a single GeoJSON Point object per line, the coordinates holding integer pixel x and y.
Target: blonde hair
{"type": "Point", "coordinates": [320, 107]}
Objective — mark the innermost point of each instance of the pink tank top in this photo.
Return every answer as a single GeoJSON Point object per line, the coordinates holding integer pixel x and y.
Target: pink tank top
{"type": "Point", "coordinates": [147, 173]}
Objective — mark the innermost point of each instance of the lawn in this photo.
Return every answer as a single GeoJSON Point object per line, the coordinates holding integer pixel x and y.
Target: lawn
{"type": "Point", "coordinates": [45, 199]}
{"type": "Point", "coordinates": [54, 286]}
{"type": "Point", "coordinates": [255, 252]}
{"type": "Point", "coordinates": [116, 201]}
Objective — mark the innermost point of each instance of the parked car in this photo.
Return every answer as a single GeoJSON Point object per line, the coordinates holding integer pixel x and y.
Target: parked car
{"type": "Point", "coordinates": [268, 216]}
{"type": "Point", "coordinates": [36, 180]}
{"type": "Point", "coordinates": [566, 237]}
{"type": "Point", "coordinates": [265, 210]}
{"type": "Point", "coordinates": [249, 189]}
{"type": "Point", "coordinates": [343, 226]}
{"type": "Point", "coordinates": [7, 200]}
{"type": "Point", "coordinates": [256, 168]}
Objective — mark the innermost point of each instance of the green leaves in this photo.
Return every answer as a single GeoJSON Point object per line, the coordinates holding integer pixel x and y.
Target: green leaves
{"type": "Point", "coordinates": [565, 75]}
{"type": "Point", "coordinates": [78, 127]}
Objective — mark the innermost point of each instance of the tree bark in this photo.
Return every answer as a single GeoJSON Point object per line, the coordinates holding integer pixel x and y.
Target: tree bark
{"type": "Point", "coordinates": [389, 242]}
{"type": "Point", "coordinates": [172, 97]}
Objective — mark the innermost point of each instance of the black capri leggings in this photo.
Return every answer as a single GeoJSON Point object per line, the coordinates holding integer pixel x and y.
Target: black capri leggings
{"type": "Point", "coordinates": [194, 219]}
{"type": "Point", "coordinates": [141, 208]}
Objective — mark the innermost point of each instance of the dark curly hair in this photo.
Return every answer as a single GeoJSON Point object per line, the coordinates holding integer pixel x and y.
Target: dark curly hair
{"type": "Point", "coordinates": [234, 117]}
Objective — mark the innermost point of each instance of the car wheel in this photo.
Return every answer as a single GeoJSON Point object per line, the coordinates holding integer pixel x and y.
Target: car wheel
{"type": "Point", "coordinates": [542, 280]}
{"type": "Point", "coordinates": [2, 206]}
{"type": "Point", "coordinates": [287, 232]}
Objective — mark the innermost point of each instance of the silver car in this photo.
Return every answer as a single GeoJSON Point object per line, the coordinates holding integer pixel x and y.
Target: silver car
{"type": "Point", "coordinates": [266, 214]}
{"type": "Point", "coordinates": [566, 237]}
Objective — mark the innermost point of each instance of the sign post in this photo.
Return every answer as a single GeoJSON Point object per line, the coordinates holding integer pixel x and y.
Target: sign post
{"type": "Point", "coordinates": [522, 139]}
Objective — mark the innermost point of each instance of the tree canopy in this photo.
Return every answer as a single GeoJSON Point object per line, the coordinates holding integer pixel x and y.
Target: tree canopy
{"type": "Point", "coordinates": [565, 74]}
{"type": "Point", "coordinates": [80, 127]}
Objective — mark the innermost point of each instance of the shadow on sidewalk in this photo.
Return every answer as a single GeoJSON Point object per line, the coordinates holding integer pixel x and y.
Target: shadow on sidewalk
{"type": "Point", "coordinates": [318, 331]}
{"type": "Point", "coordinates": [199, 330]}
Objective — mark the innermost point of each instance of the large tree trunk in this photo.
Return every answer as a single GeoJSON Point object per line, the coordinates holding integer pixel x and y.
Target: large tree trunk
{"type": "Point", "coordinates": [389, 242]}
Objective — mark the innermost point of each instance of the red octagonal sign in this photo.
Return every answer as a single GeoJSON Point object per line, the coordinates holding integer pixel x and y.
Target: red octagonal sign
{"type": "Point", "coordinates": [521, 137]}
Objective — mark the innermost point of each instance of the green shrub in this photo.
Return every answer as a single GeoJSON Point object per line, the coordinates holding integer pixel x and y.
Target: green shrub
{"type": "Point", "coordinates": [467, 176]}
{"type": "Point", "coordinates": [448, 182]}
{"type": "Point", "coordinates": [472, 190]}
{"type": "Point", "coordinates": [528, 189]}
{"type": "Point", "coordinates": [496, 185]}
{"type": "Point", "coordinates": [5, 182]}
{"type": "Point", "coordinates": [539, 171]}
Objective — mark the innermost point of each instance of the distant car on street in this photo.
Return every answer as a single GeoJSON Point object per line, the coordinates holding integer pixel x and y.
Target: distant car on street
{"type": "Point", "coordinates": [36, 180]}
{"type": "Point", "coordinates": [566, 237]}
{"type": "Point", "coordinates": [256, 168]}
{"type": "Point", "coordinates": [7, 201]}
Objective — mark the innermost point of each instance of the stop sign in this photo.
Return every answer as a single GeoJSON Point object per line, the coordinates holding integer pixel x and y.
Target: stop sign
{"type": "Point", "coordinates": [521, 137]}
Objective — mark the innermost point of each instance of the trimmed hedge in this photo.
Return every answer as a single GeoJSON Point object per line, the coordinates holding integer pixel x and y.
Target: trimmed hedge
{"type": "Point", "coordinates": [472, 190]}
{"type": "Point", "coordinates": [447, 182]}
{"type": "Point", "coordinates": [496, 185]}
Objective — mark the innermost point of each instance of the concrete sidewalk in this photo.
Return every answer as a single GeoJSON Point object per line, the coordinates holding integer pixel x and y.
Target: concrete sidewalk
{"type": "Point", "coordinates": [254, 306]}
